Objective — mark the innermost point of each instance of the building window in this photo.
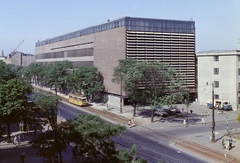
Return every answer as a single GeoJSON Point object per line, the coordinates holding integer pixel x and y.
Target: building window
{"type": "Point", "coordinates": [238, 57]}
{"type": "Point", "coordinates": [239, 71]}
{"type": "Point", "coordinates": [216, 84]}
{"type": "Point", "coordinates": [216, 71]}
{"type": "Point", "coordinates": [216, 96]}
{"type": "Point", "coordinates": [216, 58]}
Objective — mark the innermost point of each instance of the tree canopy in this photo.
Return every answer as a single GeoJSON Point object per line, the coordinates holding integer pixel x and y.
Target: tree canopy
{"type": "Point", "coordinates": [93, 137]}
{"type": "Point", "coordinates": [56, 74]}
{"type": "Point", "coordinates": [53, 141]}
{"type": "Point", "coordinates": [150, 82]}
{"type": "Point", "coordinates": [12, 100]}
{"type": "Point", "coordinates": [86, 80]}
{"type": "Point", "coordinates": [6, 73]}
{"type": "Point", "coordinates": [34, 72]}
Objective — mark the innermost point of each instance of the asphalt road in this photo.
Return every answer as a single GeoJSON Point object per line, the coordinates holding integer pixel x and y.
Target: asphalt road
{"type": "Point", "coordinates": [149, 146]}
{"type": "Point", "coordinates": [195, 129]}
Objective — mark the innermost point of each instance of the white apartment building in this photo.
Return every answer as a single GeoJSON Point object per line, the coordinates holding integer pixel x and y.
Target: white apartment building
{"type": "Point", "coordinates": [220, 69]}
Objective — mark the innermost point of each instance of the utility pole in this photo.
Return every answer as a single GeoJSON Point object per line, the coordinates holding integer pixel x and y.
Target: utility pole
{"type": "Point", "coordinates": [213, 121]}
{"type": "Point", "coordinates": [227, 125]}
{"type": "Point", "coordinates": [121, 96]}
{"type": "Point", "coordinates": [187, 104]}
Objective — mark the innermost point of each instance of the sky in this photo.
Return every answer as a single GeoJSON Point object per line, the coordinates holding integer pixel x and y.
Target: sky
{"type": "Point", "coordinates": [217, 22]}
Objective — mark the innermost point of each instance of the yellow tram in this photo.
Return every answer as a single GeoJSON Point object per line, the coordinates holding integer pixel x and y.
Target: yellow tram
{"type": "Point", "coordinates": [77, 99]}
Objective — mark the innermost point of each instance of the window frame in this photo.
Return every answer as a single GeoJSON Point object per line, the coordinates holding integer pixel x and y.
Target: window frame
{"type": "Point", "coordinates": [216, 71]}
{"type": "Point", "coordinates": [216, 84]}
{"type": "Point", "coordinates": [216, 58]}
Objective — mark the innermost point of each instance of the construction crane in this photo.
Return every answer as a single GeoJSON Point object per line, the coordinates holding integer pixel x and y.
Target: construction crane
{"type": "Point", "coordinates": [16, 47]}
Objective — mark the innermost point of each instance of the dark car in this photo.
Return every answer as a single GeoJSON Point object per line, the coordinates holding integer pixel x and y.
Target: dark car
{"type": "Point", "coordinates": [160, 112]}
{"type": "Point", "coordinates": [174, 110]}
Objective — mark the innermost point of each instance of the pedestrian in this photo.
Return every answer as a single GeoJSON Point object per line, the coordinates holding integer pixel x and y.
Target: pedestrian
{"type": "Point", "coordinates": [21, 126]}
{"type": "Point", "coordinates": [19, 139]}
{"type": "Point", "coordinates": [22, 156]}
{"type": "Point", "coordinates": [203, 120]}
{"type": "Point", "coordinates": [223, 143]}
{"type": "Point", "coordinates": [184, 123]}
{"type": "Point", "coordinates": [15, 142]}
{"type": "Point", "coordinates": [227, 144]}
{"type": "Point", "coordinates": [230, 142]}
{"type": "Point", "coordinates": [182, 109]}
{"type": "Point", "coordinates": [132, 122]}
{"type": "Point", "coordinates": [129, 123]}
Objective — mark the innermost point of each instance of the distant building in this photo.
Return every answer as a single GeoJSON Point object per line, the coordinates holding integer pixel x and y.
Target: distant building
{"type": "Point", "coordinates": [221, 68]}
{"type": "Point", "coordinates": [103, 45]}
{"type": "Point", "coordinates": [21, 59]}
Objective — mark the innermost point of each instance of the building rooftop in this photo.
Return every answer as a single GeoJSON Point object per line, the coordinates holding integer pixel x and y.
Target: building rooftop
{"type": "Point", "coordinates": [218, 52]}
{"type": "Point", "coordinates": [131, 23]}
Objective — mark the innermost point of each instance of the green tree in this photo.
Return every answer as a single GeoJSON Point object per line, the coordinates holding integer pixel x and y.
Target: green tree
{"type": "Point", "coordinates": [34, 72]}
{"type": "Point", "coordinates": [18, 70]}
{"type": "Point", "coordinates": [154, 83]}
{"type": "Point", "coordinates": [6, 73]}
{"type": "Point", "coordinates": [94, 136]}
{"type": "Point", "coordinates": [87, 80]}
{"type": "Point", "coordinates": [12, 100]}
{"type": "Point", "coordinates": [56, 74]}
{"type": "Point", "coordinates": [126, 156]}
{"type": "Point", "coordinates": [119, 72]}
{"type": "Point", "coordinates": [54, 141]}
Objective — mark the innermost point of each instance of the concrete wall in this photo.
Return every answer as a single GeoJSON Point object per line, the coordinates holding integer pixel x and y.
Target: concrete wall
{"type": "Point", "coordinates": [109, 48]}
{"type": "Point", "coordinates": [228, 77]}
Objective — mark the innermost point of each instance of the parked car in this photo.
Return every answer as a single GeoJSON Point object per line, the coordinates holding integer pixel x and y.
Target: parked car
{"type": "Point", "coordinates": [174, 110]}
{"type": "Point", "coordinates": [160, 112]}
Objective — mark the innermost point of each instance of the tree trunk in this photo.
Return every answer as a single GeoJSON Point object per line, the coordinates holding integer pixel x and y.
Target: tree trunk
{"type": "Point", "coordinates": [152, 116]}
{"type": "Point", "coordinates": [56, 91]}
{"type": "Point", "coordinates": [9, 132]}
{"type": "Point", "coordinates": [134, 108]}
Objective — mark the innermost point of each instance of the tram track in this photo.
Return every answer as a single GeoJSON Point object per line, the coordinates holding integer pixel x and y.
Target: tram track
{"type": "Point", "coordinates": [194, 147]}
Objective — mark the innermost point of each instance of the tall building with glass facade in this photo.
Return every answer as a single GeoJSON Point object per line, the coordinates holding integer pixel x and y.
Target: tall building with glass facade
{"type": "Point", "coordinates": [168, 41]}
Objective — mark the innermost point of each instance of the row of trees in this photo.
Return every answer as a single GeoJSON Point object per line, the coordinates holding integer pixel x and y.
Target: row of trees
{"type": "Point", "coordinates": [15, 85]}
{"type": "Point", "coordinates": [145, 82]}
{"type": "Point", "coordinates": [62, 76]}
{"type": "Point", "coordinates": [150, 82]}
{"type": "Point", "coordinates": [92, 136]}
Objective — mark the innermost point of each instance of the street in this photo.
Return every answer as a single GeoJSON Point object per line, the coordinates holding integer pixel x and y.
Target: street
{"type": "Point", "coordinates": [150, 147]}
{"type": "Point", "coordinates": [153, 143]}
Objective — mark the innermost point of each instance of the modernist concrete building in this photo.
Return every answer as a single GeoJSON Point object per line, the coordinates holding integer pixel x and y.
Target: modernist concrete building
{"type": "Point", "coordinates": [221, 69]}
{"type": "Point", "coordinates": [21, 59]}
{"type": "Point", "coordinates": [103, 45]}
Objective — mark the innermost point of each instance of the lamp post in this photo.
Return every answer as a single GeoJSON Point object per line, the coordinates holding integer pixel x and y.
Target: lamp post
{"type": "Point", "coordinates": [227, 125]}
{"type": "Point", "coordinates": [213, 121]}
{"type": "Point", "coordinates": [187, 104]}
{"type": "Point", "coordinates": [121, 95]}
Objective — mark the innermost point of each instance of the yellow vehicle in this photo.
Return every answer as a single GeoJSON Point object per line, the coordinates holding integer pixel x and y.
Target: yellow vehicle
{"type": "Point", "coordinates": [77, 99]}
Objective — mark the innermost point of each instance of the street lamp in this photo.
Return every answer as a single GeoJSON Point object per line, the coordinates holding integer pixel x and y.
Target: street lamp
{"type": "Point", "coordinates": [213, 121]}
{"type": "Point", "coordinates": [187, 104]}
{"type": "Point", "coordinates": [121, 95]}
